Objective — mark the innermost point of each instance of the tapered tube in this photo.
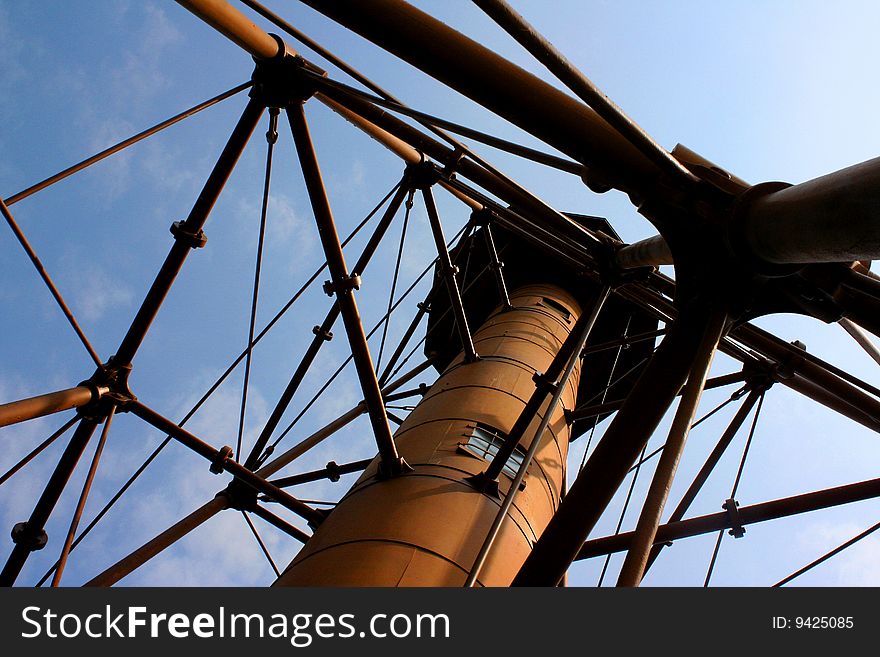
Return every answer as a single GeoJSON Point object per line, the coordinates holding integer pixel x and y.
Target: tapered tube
{"type": "Point", "coordinates": [425, 527]}
{"type": "Point", "coordinates": [834, 218]}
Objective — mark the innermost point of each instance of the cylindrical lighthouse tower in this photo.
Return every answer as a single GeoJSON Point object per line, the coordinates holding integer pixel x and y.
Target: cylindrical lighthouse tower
{"type": "Point", "coordinates": [426, 526]}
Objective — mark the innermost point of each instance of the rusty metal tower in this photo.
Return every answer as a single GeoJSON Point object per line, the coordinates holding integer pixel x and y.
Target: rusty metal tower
{"type": "Point", "coordinates": [540, 323]}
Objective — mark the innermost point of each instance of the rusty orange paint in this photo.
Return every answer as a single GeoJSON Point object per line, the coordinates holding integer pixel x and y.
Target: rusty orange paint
{"type": "Point", "coordinates": [425, 527]}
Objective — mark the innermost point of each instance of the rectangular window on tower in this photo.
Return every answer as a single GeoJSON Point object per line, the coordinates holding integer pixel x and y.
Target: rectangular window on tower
{"type": "Point", "coordinates": [485, 442]}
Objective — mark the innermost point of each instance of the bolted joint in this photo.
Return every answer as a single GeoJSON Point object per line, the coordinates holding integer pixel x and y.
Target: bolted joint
{"type": "Point", "coordinates": [544, 384]}
{"type": "Point", "coordinates": [395, 468]}
{"type": "Point", "coordinates": [224, 454]}
{"type": "Point", "coordinates": [285, 79]}
{"type": "Point", "coordinates": [342, 285]}
{"type": "Point", "coordinates": [24, 536]}
{"type": "Point", "coordinates": [322, 333]}
{"type": "Point", "coordinates": [732, 507]}
{"type": "Point", "coordinates": [192, 239]}
{"type": "Point", "coordinates": [333, 473]}
{"type": "Point", "coordinates": [483, 217]}
{"type": "Point", "coordinates": [239, 496]}
{"type": "Point", "coordinates": [423, 175]}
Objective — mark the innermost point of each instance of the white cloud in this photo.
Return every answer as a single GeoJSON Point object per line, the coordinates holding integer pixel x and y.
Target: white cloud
{"type": "Point", "coordinates": [94, 291]}
{"type": "Point", "coordinates": [857, 565]}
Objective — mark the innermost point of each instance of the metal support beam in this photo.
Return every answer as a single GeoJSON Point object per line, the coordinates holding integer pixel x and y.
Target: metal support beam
{"type": "Point", "coordinates": [447, 273]}
{"type": "Point", "coordinates": [328, 430]}
{"type": "Point", "coordinates": [502, 87]}
{"type": "Point", "coordinates": [606, 469]}
{"type": "Point", "coordinates": [230, 22]}
{"type": "Point", "coordinates": [221, 459]}
{"type": "Point", "coordinates": [859, 336]}
{"type": "Point", "coordinates": [30, 535]}
{"type": "Point", "coordinates": [833, 218]}
{"type": "Point", "coordinates": [558, 386]}
{"type": "Point", "coordinates": [546, 384]}
{"type": "Point", "coordinates": [322, 334]}
{"type": "Point", "coordinates": [84, 496]}
{"type": "Point", "coordinates": [167, 538]}
{"type": "Point", "coordinates": [633, 568]}
{"type": "Point", "coordinates": [555, 62]}
{"type": "Point", "coordinates": [53, 402]}
{"type": "Point", "coordinates": [331, 472]}
{"type": "Point", "coordinates": [711, 461]}
{"type": "Point", "coordinates": [746, 515]}
{"type": "Point", "coordinates": [343, 287]}
{"type": "Point", "coordinates": [192, 227]}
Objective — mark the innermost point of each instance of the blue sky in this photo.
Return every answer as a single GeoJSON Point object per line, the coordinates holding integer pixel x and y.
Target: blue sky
{"type": "Point", "coordinates": [770, 90]}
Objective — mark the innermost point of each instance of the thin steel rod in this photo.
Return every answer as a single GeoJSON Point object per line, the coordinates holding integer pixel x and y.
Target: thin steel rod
{"type": "Point", "coordinates": [619, 448]}
{"type": "Point", "coordinates": [859, 336]}
{"type": "Point", "coordinates": [53, 290]}
{"type": "Point", "coordinates": [332, 472]}
{"type": "Point", "coordinates": [322, 333]}
{"type": "Point", "coordinates": [125, 143]}
{"type": "Point", "coordinates": [394, 278]}
{"type": "Point", "coordinates": [343, 288]}
{"type": "Point", "coordinates": [283, 525]}
{"type": "Point", "coordinates": [709, 466]}
{"type": "Point", "coordinates": [636, 469]}
{"type": "Point", "coordinates": [514, 94]}
{"type": "Point", "coordinates": [262, 545]}
{"type": "Point", "coordinates": [558, 389]}
{"type": "Point", "coordinates": [328, 430]}
{"type": "Point", "coordinates": [747, 515]}
{"type": "Point", "coordinates": [53, 402]}
{"type": "Point", "coordinates": [828, 555]}
{"type": "Point", "coordinates": [30, 533]}
{"type": "Point", "coordinates": [731, 500]}
{"type": "Point", "coordinates": [84, 495]}
{"type": "Point", "coordinates": [625, 341]}
{"type": "Point", "coordinates": [633, 568]}
{"type": "Point", "coordinates": [421, 311]}
{"type": "Point", "coordinates": [220, 459]}
{"type": "Point", "coordinates": [271, 139]}
{"type": "Point", "coordinates": [192, 226]}
{"type": "Point", "coordinates": [555, 62]}
{"type": "Point", "coordinates": [447, 272]}
{"type": "Point", "coordinates": [496, 183]}
{"type": "Point", "coordinates": [705, 417]}
{"type": "Point", "coordinates": [430, 121]}
{"type": "Point", "coordinates": [38, 449]}
{"type": "Point", "coordinates": [586, 412]}
{"type": "Point", "coordinates": [546, 386]}
{"type": "Point", "coordinates": [178, 530]}
{"type": "Point", "coordinates": [198, 404]}
{"type": "Point", "coordinates": [496, 265]}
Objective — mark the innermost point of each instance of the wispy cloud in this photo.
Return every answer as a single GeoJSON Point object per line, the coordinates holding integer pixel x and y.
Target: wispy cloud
{"type": "Point", "coordinates": [858, 565]}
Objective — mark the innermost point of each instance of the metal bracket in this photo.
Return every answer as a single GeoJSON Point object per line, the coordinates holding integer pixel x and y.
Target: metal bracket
{"type": "Point", "coordinates": [543, 383]}
{"type": "Point", "coordinates": [194, 240]}
{"type": "Point", "coordinates": [732, 508]}
{"type": "Point", "coordinates": [343, 285]}
{"type": "Point", "coordinates": [423, 175]}
{"type": "Point", "coordinates": [398, 467]}
{"type": "Point", "coordinates": [218, 461]}
{"type": "Point", "coordinates": [324, 335]}
{"type": "Point", "coordinates": [285, 79]}
{"type": "Point", "coordinates": [22, 535]}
